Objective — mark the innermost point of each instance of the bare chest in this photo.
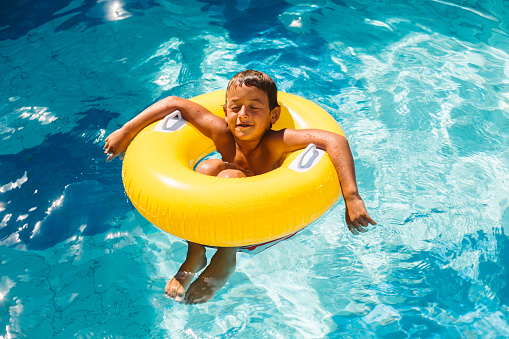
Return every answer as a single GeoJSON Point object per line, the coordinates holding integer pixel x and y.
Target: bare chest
{"type": "Point", "coordinates": [257, 161]}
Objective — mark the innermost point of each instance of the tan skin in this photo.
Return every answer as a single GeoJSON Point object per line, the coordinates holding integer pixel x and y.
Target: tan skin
{"type": "Point", "coordinates": [248, 147]}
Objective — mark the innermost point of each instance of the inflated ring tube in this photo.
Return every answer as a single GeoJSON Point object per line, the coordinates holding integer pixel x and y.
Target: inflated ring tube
{"type": "Point", "coordinates": [159, 179]}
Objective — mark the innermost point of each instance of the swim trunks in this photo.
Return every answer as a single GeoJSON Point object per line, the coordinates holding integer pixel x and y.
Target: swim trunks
{"type": "Point", "coordinates": [258, 248]}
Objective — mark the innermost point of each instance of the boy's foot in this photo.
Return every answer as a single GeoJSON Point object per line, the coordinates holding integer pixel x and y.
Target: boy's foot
{"type": "Point", "coordinates": [195, 262]}
{"type": "Point", "coordinates": [215, 276]}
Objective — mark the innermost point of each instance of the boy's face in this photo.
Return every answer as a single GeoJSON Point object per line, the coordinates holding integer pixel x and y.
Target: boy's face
{"type": "Point", "coordinates": [247, 113]}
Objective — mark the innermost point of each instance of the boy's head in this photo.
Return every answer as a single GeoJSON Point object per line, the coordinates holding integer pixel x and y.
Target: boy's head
{"type": "Point", "coordinates": [256, 79]}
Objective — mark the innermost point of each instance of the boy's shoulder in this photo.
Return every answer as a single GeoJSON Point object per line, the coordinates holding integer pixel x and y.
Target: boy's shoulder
{"type": "Point", "coordinates": [273, 138]}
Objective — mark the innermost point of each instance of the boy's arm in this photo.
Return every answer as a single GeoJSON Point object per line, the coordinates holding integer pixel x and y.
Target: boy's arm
{"type": "Point", "coordinates": [339, 152]}
{"type": "Point", "coordinates": [209, 124]}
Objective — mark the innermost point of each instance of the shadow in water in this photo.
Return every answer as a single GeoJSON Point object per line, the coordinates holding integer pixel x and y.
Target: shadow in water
{"type": "Point", "coordinates": [19, 17]}
{"type": "Point", "coordinates": [69, 188]}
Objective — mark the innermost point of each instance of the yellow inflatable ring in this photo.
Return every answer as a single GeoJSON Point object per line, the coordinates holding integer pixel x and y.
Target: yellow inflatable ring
{"type": "Point", "coordinates": [159, 178]}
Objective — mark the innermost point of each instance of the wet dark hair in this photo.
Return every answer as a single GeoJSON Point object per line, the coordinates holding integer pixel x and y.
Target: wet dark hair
{"type": "Point", "coordinates": [256, 79]}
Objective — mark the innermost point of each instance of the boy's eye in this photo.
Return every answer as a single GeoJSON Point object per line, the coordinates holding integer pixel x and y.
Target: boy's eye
{"type": "Point", "coordinates": [254, 108]}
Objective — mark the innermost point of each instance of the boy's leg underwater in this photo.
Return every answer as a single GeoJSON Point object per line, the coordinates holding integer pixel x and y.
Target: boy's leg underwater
{"type": "Point", "coordinates": [215, 276]}
{"type": "Point", "coordinates": [194, 263]}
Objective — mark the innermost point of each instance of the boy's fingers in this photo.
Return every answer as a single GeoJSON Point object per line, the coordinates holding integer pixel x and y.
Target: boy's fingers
{"type": "Point", "coordinates": [111, 157]}
{"type": "Point", "coordinates": [359, 224]}
{"type": "Point", "coordinates": [353, 229]}
{"type": "Point", "coordinates": [361, 229]}
{"type": "Point", "coordinates": [363, 222]}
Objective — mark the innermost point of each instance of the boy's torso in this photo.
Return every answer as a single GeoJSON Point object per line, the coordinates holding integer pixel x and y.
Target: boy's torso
{"type": "Point", "coordinates": [261, 159]}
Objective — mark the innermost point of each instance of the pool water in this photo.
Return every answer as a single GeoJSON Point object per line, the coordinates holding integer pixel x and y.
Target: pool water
{"type": "Point", "coordinates": [421, 89]}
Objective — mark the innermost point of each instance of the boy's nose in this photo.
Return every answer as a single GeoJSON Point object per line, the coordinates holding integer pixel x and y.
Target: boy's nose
{"type": "Point", "coordinates": [243, 112]}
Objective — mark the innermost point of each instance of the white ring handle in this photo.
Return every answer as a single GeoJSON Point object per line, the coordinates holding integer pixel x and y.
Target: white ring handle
{"type": "Point", "coordinates": [171, 123]}
{"type": "Point", "coordinates": [307, 159]}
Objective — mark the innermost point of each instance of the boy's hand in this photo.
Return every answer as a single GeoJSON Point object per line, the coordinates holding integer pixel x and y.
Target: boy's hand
{"type": "Point", "coordinates": [116, 144]}
{"type": "Point", "coordinates": [356, 215]}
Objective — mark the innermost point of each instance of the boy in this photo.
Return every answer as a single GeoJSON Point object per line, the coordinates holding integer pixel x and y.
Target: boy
{"type": "Point", "coordinates": [248, 147]}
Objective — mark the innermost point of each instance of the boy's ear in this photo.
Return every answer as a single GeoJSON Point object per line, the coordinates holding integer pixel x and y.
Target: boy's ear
{"type": "Point", "coordinates": [225, 115]}
{"type": "Point", "coordinates": [275, 115]}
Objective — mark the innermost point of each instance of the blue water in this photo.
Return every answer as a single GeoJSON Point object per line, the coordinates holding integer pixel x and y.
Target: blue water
{"type": "Point", "coordinates": [421, 89]}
